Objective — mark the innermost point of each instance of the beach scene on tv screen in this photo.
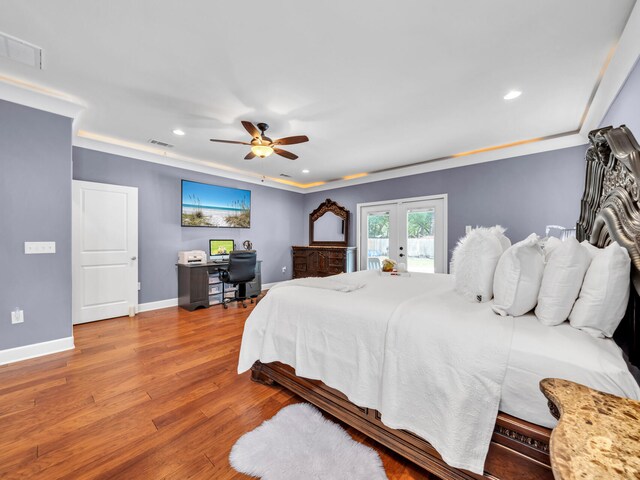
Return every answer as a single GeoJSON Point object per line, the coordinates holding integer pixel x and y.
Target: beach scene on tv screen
{"type": "Point", "coordinates": [214, 206]}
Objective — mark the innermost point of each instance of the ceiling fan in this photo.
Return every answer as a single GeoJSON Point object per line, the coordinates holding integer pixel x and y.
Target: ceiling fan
{"type": "Point", "coordinates": [262, 146]}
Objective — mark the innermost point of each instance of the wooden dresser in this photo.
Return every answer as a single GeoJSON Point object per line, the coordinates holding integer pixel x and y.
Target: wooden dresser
{"type": "Point", "coordinates": [322, 261]}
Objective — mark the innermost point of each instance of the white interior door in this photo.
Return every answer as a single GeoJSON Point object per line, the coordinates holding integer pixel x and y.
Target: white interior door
{"type": "Point", "coordinates": [105, 251]}
{"type": "Point", "coordinates": [411, 231]}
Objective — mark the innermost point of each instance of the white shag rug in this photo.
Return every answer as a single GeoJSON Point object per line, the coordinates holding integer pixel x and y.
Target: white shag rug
{"type": "Point", "coordinates": [299, 443]}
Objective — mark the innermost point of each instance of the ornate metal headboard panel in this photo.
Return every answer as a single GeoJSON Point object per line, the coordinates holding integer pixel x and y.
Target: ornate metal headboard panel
{"type": "Point", "coordinates": [610, 211]}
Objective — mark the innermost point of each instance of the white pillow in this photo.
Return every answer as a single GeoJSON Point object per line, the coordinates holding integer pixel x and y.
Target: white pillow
{"type": "Point", "coordinates": [474, 262]}
{"type": "Point", "coordinates": [592, 249]}
{"type": "Point", "coordinates": [563, 274]}
{"type": "Point", "coordinates": [549, 245]}
{"type": "Point", "coordinates": [517, 279]}
{"type": "Point", "coordinates": [605, 292]}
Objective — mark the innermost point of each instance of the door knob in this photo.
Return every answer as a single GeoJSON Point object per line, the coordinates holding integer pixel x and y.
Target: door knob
{"type": "Point", "coordinates": [401, 248]}
{"type": "Point", "coordinates": [133, 258]}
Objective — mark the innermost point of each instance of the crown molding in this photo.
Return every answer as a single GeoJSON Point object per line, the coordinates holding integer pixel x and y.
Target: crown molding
{"type": "Point", "coordinates": [176, 161]}
{"type": "Point", "coordinates": [55, 102]}
{"type": "Point", "coordinates": [30, 95]}
{"type": "Point", "coordinates": [619, 65]}
{"type": "Point", "coordinates": [154, 155]}
{"type": "Point", "coordinates": [557, 142]}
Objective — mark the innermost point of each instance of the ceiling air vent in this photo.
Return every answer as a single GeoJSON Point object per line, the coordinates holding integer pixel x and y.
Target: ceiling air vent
{"type": "Point", "coordinates": [160, 144]}
{"type": "Point", "coordinates": [20, 51]}
{"type": "Point", "coordinates": [285, 175]}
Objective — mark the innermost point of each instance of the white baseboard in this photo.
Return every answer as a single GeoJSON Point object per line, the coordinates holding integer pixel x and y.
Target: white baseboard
{"type": "Point", "coordinates": [147, 307]}
{"type": "Point", "coordinates": [173, 302]}
{"type": "Point", "coordinates": [17, 354]}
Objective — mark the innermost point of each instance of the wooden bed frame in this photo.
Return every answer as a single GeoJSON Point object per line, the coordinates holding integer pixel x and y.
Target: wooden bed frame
{"type": "Point", "coordinates": [610, 211]}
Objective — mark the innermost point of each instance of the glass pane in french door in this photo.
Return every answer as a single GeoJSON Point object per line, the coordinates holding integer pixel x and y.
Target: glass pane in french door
{"type": "Point", "coordinates": [377, 233]}
{"type": "Point", "coordinates": [420, 240]}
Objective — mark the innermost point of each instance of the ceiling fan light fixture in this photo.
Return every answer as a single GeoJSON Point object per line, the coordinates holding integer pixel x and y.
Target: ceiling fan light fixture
{"type": "Point", "coordinates": [262, 151]}
{"type": "Point", "coordinates": [262, 146]}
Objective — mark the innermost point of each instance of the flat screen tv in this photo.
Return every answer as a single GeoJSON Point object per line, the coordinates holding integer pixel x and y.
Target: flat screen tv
{"type": "Point", "coordinates": [205, 205]}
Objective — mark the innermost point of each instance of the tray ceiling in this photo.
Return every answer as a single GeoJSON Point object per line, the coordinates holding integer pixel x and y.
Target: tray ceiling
{"type": "Point", "coordinates": [376, 85]}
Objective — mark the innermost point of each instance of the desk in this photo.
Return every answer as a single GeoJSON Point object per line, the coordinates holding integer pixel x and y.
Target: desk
{"type": "Point", "coordinates": [598, 435]}
{"type": "Point", "coordinates": [199, 286]}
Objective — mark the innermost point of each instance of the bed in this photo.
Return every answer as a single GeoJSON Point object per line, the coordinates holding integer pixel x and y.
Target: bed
{"type": "Point", "coordinates": [328, 347]}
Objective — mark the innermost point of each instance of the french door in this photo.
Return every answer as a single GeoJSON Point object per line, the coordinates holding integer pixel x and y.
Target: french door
{"type": "Point", "coordinates": [412, 231]}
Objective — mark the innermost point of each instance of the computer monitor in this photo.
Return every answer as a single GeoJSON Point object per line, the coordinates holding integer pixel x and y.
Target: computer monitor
{"type": "Point", "coordinates": [220, 249]}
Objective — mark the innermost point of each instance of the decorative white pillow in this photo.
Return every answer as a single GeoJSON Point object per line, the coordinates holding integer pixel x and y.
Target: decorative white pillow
{"type": "Point", "coordinates": [517, 279]}
{"type": "Point", "coordinates": [562, 279]}
{"type": "Point", "coordinates": [474, 262]}
{"type": "Point", "coordinates": [605, 291]}
{"type": "Point", "coordinates": [549, 245]}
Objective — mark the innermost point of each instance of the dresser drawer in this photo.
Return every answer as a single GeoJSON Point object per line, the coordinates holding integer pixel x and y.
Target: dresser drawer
{"type": "Point", "coordinates": [299, 266]}
{"type": "Point", "coordinates": [320, 261]}
{"type": "Point", "coordinates": [336, 262]}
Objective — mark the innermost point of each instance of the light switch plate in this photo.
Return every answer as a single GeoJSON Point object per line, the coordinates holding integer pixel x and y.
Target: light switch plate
{"type": "Point", "coordinates": [31, 248]}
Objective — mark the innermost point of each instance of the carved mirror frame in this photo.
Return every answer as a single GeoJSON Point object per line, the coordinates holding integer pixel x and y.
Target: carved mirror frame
{"type": "Point", "coordinates": [329, 206]}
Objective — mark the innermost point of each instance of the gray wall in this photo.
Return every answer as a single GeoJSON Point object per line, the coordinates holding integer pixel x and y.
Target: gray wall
{"type": "Point", "coordinates": [523, 194]}
{"type": "Point", "coordinates": [276, 219]}
{"type": "Point", "coordinates": [35, 205]}
{"type": "Point", "coordinates": [625, 110]}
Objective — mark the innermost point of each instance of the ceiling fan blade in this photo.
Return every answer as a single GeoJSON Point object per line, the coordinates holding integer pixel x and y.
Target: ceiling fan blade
{"type": "Point", "coordinates": [291, 140]}
{"type": "Point", "coordinates": [250, 127]}
{"type": "Point", "coordinates": [229, 141]}
{"type": "Point", "coordinates": [285, 154]}
{"type": "Point", "coordinates": [250, 155]}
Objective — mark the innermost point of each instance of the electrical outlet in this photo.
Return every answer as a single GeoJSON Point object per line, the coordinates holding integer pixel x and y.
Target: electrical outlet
{"type": "Point", "coordinates": [284, 269]}
{"type": "Point", "coordinates": [467, 229]}
{"type": "Point", "coordinates": [17, 316]}
{"type": "Point", "coordinates": [139, 286]}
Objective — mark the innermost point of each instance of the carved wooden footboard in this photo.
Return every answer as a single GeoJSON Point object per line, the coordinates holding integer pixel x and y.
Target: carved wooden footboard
{"type": "Point", "coordinates": [518, 450]}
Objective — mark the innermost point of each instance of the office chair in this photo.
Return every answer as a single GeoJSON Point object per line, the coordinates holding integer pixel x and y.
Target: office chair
{"type": "Point", "coordinates": [241, 270]}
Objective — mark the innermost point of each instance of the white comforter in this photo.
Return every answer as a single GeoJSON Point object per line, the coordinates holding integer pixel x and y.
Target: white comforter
{"type": "Point", "coordinates": [429, 361]}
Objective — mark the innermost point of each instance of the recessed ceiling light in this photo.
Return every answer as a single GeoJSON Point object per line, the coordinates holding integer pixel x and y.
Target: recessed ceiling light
{"type": "Point", "coordinates": [512, 94]}
{"type": "Point", "coordinates": [305, 171]}
{"type": "Point", "coordinates": [179, 132]}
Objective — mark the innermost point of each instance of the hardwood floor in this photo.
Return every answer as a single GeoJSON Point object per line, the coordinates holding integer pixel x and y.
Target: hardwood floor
{"type": "Point", "coordinates": [151, 397]}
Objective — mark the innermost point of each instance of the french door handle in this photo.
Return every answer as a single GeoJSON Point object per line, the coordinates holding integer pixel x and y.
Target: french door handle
{"type": "Point", "coordinates": [402, 255]}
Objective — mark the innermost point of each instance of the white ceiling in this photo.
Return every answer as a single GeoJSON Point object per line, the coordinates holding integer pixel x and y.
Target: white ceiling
{"type": "Point", "coordinates": [374, 84]}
